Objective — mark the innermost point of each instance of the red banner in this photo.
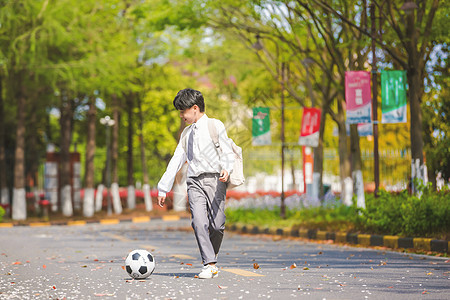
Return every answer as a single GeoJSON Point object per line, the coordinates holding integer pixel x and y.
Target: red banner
{"type": "Point", "coordinates": [309, 133]}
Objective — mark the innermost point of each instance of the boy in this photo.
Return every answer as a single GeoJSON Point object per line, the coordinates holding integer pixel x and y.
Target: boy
{"type": "Point", "coordinates": [207, 176]}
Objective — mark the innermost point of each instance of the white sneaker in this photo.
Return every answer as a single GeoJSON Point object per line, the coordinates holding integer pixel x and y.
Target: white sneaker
{"type": "Point", "coordinates": [209, 271]}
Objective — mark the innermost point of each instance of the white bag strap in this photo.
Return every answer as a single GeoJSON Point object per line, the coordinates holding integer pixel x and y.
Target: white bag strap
{"type": "Point", "coordinates": [213, 133]}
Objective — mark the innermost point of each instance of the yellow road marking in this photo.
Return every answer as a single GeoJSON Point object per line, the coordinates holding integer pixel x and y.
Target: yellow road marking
{"type": "Point", "coordinates": [76, 223]}
{"type": "Point", "coordinates": [39, 224]}
{"type": "Point", "coordinates": [242, 272]}
{"type": "Point", "coordinates": [6, 225]}
{"type": "Point", "coordinates": [182, 256]}
{"type": "Point", "coordinates": [116, 237]}
{"type": "Point", "coordinates": [140, 219]}
{"type": "Point", "coordinates": [109, 221]}
{"type": "Point", "coordinates": [171, 218]}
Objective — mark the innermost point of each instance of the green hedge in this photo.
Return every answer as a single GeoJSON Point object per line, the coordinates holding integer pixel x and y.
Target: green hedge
{"type": "Point", "coordinates": [2, 213]}
{"type": "Point", "coordinates": [407, 215]}
{"type": "Point", "coordinates": [388, 214]}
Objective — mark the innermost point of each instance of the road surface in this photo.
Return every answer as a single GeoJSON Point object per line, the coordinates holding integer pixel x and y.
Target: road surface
{"type": "Point", "coordinates": [86, 262]}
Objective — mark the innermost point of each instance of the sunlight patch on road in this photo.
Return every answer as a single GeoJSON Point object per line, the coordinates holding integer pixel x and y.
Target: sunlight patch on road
{"type": "Point", "coordinates": [182, 256]}
{"type": "Point", "coordinates": [242, 272]}
{"type": "Point", "coordinates": [149, 248]}
{"type": "Point", "coordinates": [116, 237]}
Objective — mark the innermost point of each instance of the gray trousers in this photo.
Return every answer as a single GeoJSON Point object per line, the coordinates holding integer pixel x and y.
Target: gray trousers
{"type": "Point", "coordinates": [206, 196]}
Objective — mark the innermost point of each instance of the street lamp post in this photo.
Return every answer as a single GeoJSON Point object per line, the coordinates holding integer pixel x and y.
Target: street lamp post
{"type": "Point", "coordinates": [281, 72]}
{"type": "Point", "coordinates": [108, 122]}
{"type": "Point", "coordinates": [283, 144]}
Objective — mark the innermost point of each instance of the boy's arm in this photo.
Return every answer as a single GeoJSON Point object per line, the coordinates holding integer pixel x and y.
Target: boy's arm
{"type": "Point", "coordinates": [175, 164]}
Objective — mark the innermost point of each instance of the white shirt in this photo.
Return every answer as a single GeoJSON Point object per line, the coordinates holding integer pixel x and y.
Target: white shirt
{"type": "Point", "coordinates": [205, 159]}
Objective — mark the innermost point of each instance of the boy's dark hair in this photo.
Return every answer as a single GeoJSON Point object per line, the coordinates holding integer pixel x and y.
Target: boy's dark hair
{"type": "Point", "coordinates": [187, 98]}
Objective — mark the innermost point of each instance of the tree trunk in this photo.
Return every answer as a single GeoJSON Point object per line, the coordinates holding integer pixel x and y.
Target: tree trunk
{"type": "Point", "coordinates": [89, 191]}
{"type": "Point", "coordinates": [344, 163]}
{"type": "Point", "coordinates": [117, 204]}
{"type": "Point", "coordinates": [64, 163]}
{"type": "Point", "coordinates": [131, 195]}
{"type": "Point", "coordinates": [4, 192]}
{"type": "Point", "coordinates": [418, 168]}
{"type": "Point", "coordinates": [19, 204]}
{"type": "Point", "coordinates": [318, 156]}
{"type": "Point", "coordinates": [355, 150]}
{"type": "Point", "coordinates": [146, 186]}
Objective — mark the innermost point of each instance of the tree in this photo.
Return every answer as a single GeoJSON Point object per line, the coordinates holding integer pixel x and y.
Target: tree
{"type": "Point", "coordinates": [408, 41]}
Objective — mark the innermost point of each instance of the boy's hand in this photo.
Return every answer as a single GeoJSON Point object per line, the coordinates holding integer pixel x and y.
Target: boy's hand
{"type": "Point", "coordinates": [223, 176]}
{"type": "Point", "coordinates": [161, 200]}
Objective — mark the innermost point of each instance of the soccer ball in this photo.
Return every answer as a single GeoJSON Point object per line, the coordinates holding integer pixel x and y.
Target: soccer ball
{"type": "Point", "coordinates": [139, 264]}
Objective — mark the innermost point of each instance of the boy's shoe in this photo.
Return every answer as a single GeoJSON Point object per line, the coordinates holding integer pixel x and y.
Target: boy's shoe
{"type": "Point", "coordinates": [209, 271]}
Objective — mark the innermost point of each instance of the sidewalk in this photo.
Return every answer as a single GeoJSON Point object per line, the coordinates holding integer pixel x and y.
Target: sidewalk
{"type": "Point", "coordinates": [364, 240]}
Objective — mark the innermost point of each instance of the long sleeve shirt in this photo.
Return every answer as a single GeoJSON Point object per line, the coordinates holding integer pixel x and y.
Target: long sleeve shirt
{"type": "Point", "coordinates": [206, 158]}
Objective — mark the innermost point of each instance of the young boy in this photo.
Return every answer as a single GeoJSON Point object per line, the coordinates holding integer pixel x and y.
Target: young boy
{"type": "Point", "coordinates": [207, 176]}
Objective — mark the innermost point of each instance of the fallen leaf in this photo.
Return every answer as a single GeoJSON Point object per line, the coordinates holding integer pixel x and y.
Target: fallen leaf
{"type": "Point", "coordinates": [429, 273]}
{"type": "Point", "coordinates": [44, 266]}
{"type": "Point", "coordinates": [255, 266]}
{"type": "Point", "coordinates": [96, 259]}
{"type": "Point", "coordinates": [54, 287]}
{"type": "Point", "coordinates": [17, 263]}
{"type": "Point", "coordinates": [425, 292]}
{"type": "Point", "coordinates": [222, 287]}
{"type": "Point", "coordinates": [305, 268]}
{"type": "Point", "coordinates": [196, 276]}
{"type": "Point", "coordinates": [320, 253]}
{"type": "Point", "coordinates": [390, 287]}
{"type": "Point", "coordinates": [189, 265]}
{"type": "Point", "coordinates": [293, 266]}
{"type": "Point", "coordinates": [84, 266]}
{"type": "Point", "coordinates": [123, 267]}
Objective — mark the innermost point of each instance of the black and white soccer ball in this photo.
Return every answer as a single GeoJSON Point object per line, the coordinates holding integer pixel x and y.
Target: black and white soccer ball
{"type": "Point", "coordinates": [139, 264]}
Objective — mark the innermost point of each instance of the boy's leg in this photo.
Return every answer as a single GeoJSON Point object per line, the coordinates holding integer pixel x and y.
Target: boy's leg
{"type": "Point", "coordinates": [207, 209]}
{"type": "Point", "coordinates": [216, 213]}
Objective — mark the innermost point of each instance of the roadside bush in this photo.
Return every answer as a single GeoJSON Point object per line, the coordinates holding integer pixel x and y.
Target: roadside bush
{"type": "Point", "coordinates": [408, 215]}
{"type": "Point", "coordinates": [2, 213]}
{"type": "Point", "coordinates": [388, 214]}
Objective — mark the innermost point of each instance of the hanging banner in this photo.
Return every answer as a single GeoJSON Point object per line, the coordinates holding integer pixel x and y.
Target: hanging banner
{"type": "Point", "coordinates": [309, 133]}
{"type": "Point", "coordinates": [358, 97]}
{"type": "Point", "coordinates": [365, 129]}
{"type": "Point", "coordinates": [393, 96]}
{"type": "Point", "coordinates": [261, 126]}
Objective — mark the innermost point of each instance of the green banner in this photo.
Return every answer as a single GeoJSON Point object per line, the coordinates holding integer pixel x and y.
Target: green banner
{"type": "Point", "coordinates": [393, 96]}
{"type": "Point", "coordinates": [261, 126]}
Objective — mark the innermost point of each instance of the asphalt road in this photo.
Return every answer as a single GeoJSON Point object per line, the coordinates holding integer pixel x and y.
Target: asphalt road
{"type": "Point", "coordinates": [85, 262]}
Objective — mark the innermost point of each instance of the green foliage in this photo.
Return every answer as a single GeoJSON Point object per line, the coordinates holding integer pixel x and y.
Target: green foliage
{"type": "Point", "coordinates": [388, 214]}
{"type": "Point", "coordinates": [408, 215]}
{"type": "Point", "coordinates": [2, 213]}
